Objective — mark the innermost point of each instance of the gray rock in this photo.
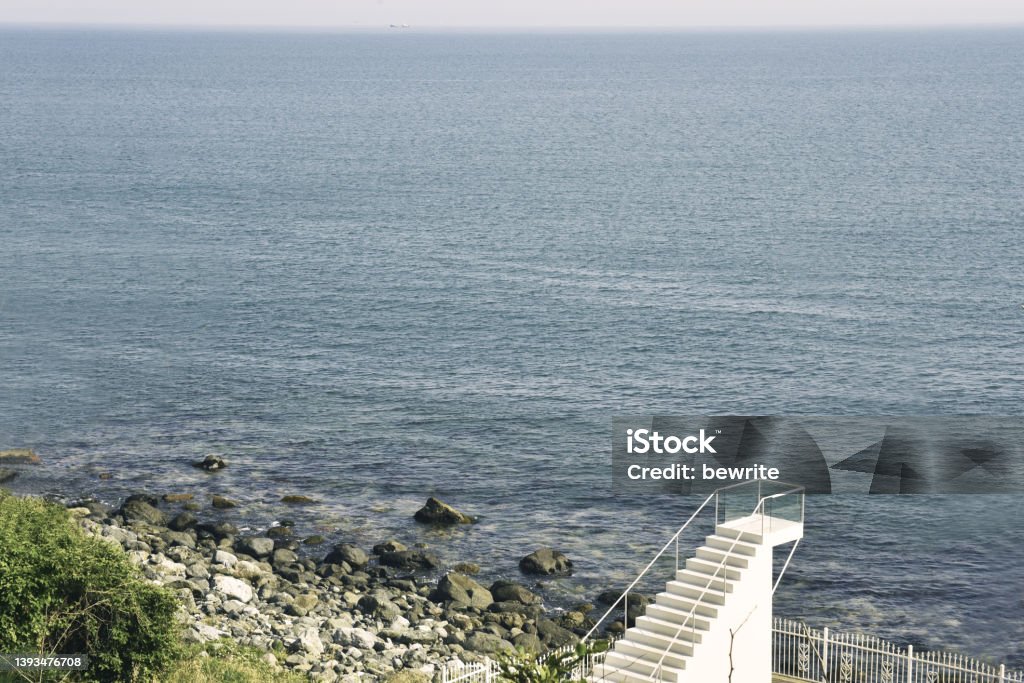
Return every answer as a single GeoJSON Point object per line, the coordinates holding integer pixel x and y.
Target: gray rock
{"type": "Point", "coordinates": [546, 561]}
{"type": "Point", "coordinates": [181, 538]}
{"type": "Point", "coordinates": [222, 503]}
{"type": "Point", "coordinates": [346, 552]}
{"type": "Point", "coordinates": [135, 510]}
{"type": "Point", "coordinates": [216, 530]}
{"type": "Point", "coordinates": [6, 475]}
{"type": "Point", "coordinates": [389, 546]}
{"type": "Point", "coordinates": [232, 587]}
{"type": "Point", "coordinates": [284, 556]}
{"type": "Point", "coordinates": [437, 512]}
{"type": "Point", "coordinates": [255, 546]}
{"type": "Point", "coordinates": [410, 559]}
{"type": "Point", "coordinates": [309, 641]}
{"type": "Point", "coordinates": [487, 643]}
{"type": "Point", "coordinates": [510, 591]}
{"type": "Point", "coordinates": [528, 642]}
{"type": "Point", "coordinates": [554, 635]}
{"type": "Point", "coordinates": [211, 463]}
{"type": "Point", "coordinates": [185, 520]}
{"type": "Point", "coordinates": [462, 591]}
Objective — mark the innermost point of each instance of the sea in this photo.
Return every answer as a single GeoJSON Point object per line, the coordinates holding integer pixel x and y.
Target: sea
{"type": "Point", "coordinates": [375, 266]}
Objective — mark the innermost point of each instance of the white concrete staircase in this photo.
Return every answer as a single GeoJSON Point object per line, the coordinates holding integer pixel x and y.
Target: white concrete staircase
{"type": "Point", "coordinates": [712, 623]}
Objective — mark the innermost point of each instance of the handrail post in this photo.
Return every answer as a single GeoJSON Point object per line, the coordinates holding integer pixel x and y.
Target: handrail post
{"type": "Point", "coordinates": [1002, 673]}
{"type": "Point", "coordinates": [824, 653]}
{"type": "Point", "coordinates": [910, 664]}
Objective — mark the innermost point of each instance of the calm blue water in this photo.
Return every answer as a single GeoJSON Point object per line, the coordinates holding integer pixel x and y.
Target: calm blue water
{"type": "Point", "coordinates": [375, 267]}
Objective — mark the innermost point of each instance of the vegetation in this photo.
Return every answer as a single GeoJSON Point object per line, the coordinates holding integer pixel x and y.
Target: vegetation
{"type": "Point", "coordinates": [553, 667]}
{"type": "Point", "coordinates": [65, 592]}
{"type": "Point", "coordinates": [225, 662]}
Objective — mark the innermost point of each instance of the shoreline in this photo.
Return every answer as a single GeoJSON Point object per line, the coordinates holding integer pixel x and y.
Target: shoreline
{"type": "Point", "coordinates": [332, 612]}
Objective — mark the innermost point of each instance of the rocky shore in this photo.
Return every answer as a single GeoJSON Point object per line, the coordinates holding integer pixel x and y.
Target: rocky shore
{"type": "Point", "coordinates": [336, 612]}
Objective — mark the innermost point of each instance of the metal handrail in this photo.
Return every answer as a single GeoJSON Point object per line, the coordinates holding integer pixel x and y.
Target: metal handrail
{"type": "Point", "coordinates": [625, 593]}
{"type": "Point", "coordinates": [691, 617]}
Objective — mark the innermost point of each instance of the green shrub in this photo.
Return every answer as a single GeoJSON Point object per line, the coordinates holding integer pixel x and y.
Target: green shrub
{"type": "Point", "coordinates": [64, 592]}
{"type": "Point", "coordinates": [553, 667]}
{"type": "Point", "coordinates": [224, 661]}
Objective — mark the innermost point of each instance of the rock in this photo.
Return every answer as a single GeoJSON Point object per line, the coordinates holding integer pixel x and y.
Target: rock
{"type": "Point", "coordinates": [389, 546]}
{"type": "Point", "coordinates": [487, 643]}
{"type": "Point", "coordinates": [554, 635]}
{"type": "Point", "coordinates": [309, 642]}
{"type": "Point", "coordinates": [222, 503]}
{"type": "Point", "coordinates": [135, 510]}
{"type": "Point", "coordinates": [306, 601]}
{"type": "Point", "coordinates": [179, 538]}
{"type": "Point", "coordinates": [528, 642]}
{"type": "Point", "coordinates": [232, 587]}
{"type": "Point", "coordinates": [463, 591]}
{"type": "Point", "coordinates": [436, 512]}
{"type": "Point", "coordinates": [225, 558]}
{"type": "Point", "coordinates": [211, 463]}
{"type": "Point", "coordinates": [346, 552]}
{"type": "Point", "coordinates": [76, 512]}
{"type": "Point", "coordinates": [297, 500]}
{"type": "Point", "coordinates": [467, 568]}
{"type": "Point", "coordinates": [546, 561]}
{"type": "Point", "coordinates": [20, 456]}
{"type": "Point", "coordinates": [410, 559]}
{"type": "Point", "coordinates": [105, 475]}
{"type": "Point", "coordinates": [177, 497]}
{"type": "Point", "coordinates": [6, 475]}
{"type": "Point", "coordinates": [255, 546]}
{"type": "Point", "coordinates": [279, 532]}
{"type": "Point", "coordinates": [379, 604]}
{"type": "Point", "coordinates": [315, 539]}
{"type": "Point", "coordinates": [147, 498]}
{"type": "Point", "coordinates": [216, 530]}
{"type": "Point", "coordinates": [510, 591]}
{"type": "Point", "coordinates": [185, 520]}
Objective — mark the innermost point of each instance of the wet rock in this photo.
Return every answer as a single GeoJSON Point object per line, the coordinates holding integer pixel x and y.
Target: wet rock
{"type": "Point", "coordinates": [510, 591]}
{"type": "Point", "coordinates": [19, 456]}
{"type": "Point", "coordinates": [437, 512]}
{"type": "Point", "coordinates": [255, 546]}
{"type": "Point", "coordinates": [546, 561]}
{"type": "Point", "coordinates": [138, 510]}
{"type": "Point", "coordinates": [7, 475]}
{"type": "Point", "coordinates": [389, 546]}
{"type": "Point", "coordinates": [528, 642]}
{"type": "Point", "coordinates": [462, 591]}
{"type": "Point", "coordinates": [181, 538]}
{"type": "Point", "coordinates": [315, 539]}
{"type": "Point", "coordinates": [211, 463]}
{"type": "Point", "coordinates": [554, 635]}
{"type": "Point", "coordinates": [177, 497]}
{"type": "Point", "coordinates": [283, 556]}
{"type": "Point", "coordinates": [410, 559]}
{"type": "Point", "coordinates": [297, 500]}
{"type": "Point", "coordinates": [279, 532]}
{"type": "Point", "coordinates": [183, 521]}
{"type": "Point", "coordinates": [467, 568]}
{"type": "Point", "coordinates": [216, 530]}
{"type": "Point", "coordinates": [346, 552]}
{"type": "Point", "coordinates": [222, 503]}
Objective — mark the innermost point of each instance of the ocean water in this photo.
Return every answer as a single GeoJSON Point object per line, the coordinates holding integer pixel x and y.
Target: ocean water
{"type": "Point", "coordinates": [373, 267]}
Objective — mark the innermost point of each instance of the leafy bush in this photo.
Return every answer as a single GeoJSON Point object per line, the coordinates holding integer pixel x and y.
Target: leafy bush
{"type": "Point", "coordinates": [553, 667]}
{"type": "Point", "coordinates": [65, 592]}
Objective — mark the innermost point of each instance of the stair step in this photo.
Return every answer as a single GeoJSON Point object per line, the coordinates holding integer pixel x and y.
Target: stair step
{"type": "Point", "coordinates": [643, 667]}
{"type": "Point", "coordinates": [688, 590]}
{"type": "Point", "coordinates": [731, 545]}
{"type": "Point", "coordinates": [679, 639]}
{"type": "Point", "coordinates": [748, 536]}
{"type": "Point", "coordinates": [654, 654]}
{"type": "Point", "coordinates": [683, 606]}
{"type": "Point", "coordinates": [702, 580]}
{"type": "Point", "coordinates": [696, 564]}
{"type": "Point", "coordinates": [670, 629]}
{"type": "Point", "coordinates": [609, 674]}
{"type": "Point", "coordinates": [716, 555]}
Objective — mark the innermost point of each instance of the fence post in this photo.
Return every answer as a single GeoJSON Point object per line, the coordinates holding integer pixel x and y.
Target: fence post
{"type": "Point", "coordinates": [910, 664]}
{"type": "Point", "coordinates": [1002, 673]}
{"type": "Point", "coordinates": [824, 653]}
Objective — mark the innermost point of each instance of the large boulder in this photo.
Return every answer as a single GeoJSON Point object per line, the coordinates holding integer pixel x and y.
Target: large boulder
{"type": "Point", "coordinates": [232, 587]}
{"type": "Point", "coordinates": [216, 530]}
{"type": "Point", "coordinates": [389, 546]}
{"type": "Point", "coordinates": [437, 512]}
{"type": "Point", "coordinates": [554, 635]}
{"type": "Point", "coordinates": [462, 591]}
{"type": "Point", "coordinates": [137, 510]}
{"type": "Point", "coordinates": [510, 591]}
{"type": "Point", "coordinates": [255, 546]}
{"type": "Point", "coordinates": [185, 520]}
{"type": "Point", "coordinates": [19, 456]}
{"type": "Point", "coordinates": [346, 552]}
{"type": "Point", "coordinates": [410, 559]}
{"type": "Point", "coordinates": [546, 561]}
{"type": "Point", "coordinates": [487, 643]}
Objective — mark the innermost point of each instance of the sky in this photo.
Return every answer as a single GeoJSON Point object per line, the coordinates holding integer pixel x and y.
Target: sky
{"type": "Point", "coordinates": [515, 13]}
